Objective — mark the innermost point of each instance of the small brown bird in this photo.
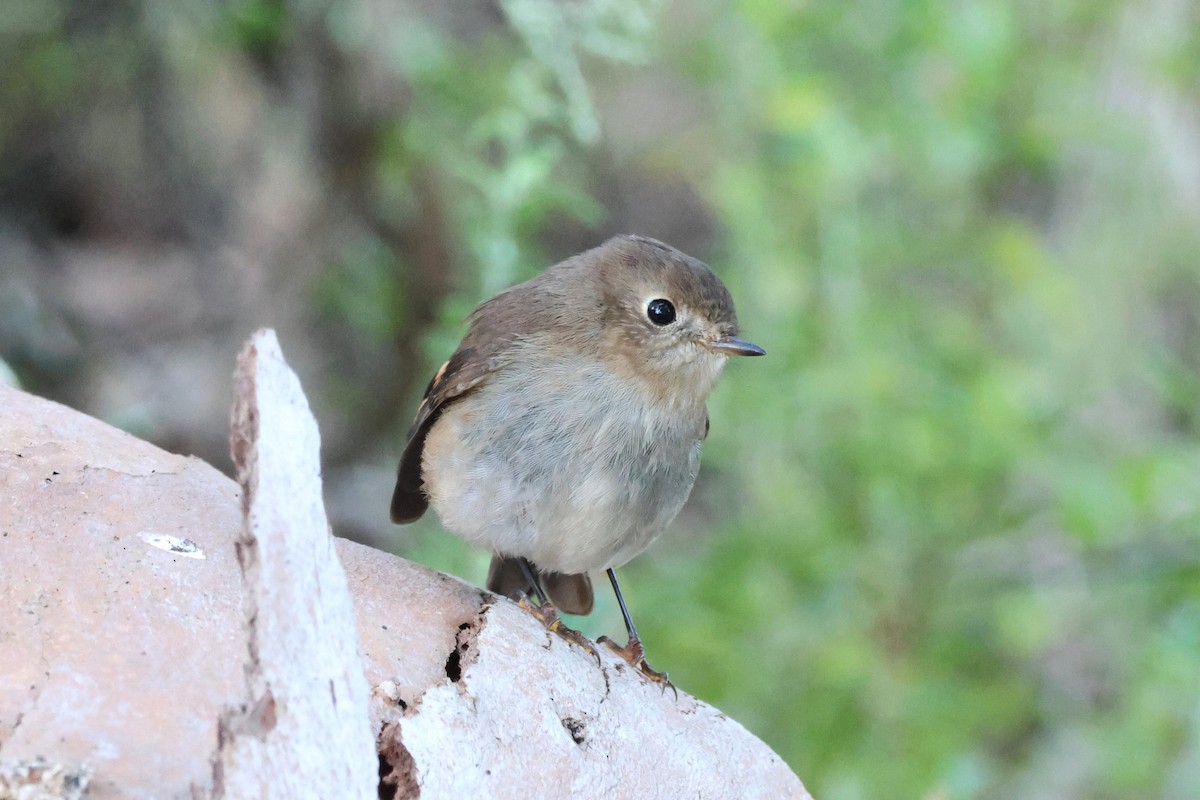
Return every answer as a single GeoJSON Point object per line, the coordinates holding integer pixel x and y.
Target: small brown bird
{"type": "Point", "coordinates": [564, 433]}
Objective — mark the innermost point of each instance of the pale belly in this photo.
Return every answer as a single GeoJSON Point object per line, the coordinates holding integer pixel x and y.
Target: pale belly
{"type": "Point", "coordinates": [576, 476]}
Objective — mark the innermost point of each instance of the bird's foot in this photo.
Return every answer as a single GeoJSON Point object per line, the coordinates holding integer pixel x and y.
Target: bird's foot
{"type": "Point", "coordinates": [635, 654]}
{"type": "Point", "coordinates": [547, 614]}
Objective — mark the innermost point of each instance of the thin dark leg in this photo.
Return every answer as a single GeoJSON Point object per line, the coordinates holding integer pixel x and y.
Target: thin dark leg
{"type": "Point", "coordinates": [632, 631]}
{"type": "Point", "coordinates": [634, 652]}
{"type": "Point", "coordinates": [535, 582]}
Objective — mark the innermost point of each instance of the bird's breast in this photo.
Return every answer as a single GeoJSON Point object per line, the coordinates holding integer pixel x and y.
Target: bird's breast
{"type": "Point", "coordinates": [564, 463]}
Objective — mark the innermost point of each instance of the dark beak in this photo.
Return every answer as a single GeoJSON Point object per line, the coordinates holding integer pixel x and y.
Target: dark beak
{"type": "Point", "coordinates": [731, 346]}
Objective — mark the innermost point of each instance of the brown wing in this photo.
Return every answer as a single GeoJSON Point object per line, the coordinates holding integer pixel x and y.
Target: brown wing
{"type": "Point", "coordinates": [481, 353]}
{"type": "Point", "coordinates": [529, 307]}
{"type": "Point", "coordinates": [465, 370]}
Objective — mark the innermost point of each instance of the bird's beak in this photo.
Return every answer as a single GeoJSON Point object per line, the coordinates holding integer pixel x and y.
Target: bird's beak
{"type": "Point", "coordinates": [732, 346]}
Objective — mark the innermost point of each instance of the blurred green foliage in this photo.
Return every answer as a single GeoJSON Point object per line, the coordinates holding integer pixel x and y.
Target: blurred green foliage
{"type": "Point", "coordinates": [970, 541]}
{"type": "Point", "coordinates": [946, 540]}
{"type": "Point", "coordinates": [950, 543]}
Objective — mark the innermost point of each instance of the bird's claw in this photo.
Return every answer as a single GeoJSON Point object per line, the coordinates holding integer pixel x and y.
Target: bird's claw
{"type": "Point", "coordinates": [635, 654]}
{"type": "Point", "coordinates": [547, 614]}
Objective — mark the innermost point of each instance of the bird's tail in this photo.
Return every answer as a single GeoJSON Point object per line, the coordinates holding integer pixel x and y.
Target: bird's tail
{"type": "Point", "coordinates": [571, 594]}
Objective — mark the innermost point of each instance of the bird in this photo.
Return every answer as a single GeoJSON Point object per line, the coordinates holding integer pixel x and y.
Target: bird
{"type": "Point", "coordinates": [564, 432]}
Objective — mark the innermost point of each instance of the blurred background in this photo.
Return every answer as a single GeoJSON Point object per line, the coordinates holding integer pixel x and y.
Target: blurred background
{"type": "Point", "coordinates": [945, 539]}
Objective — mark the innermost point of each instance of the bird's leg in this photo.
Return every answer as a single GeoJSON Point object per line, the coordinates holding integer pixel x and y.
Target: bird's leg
{"type": "Point", "coordinates": [544, 610]}
{"type": "Point", "coordinates": [535, 585]}
{"type": "Point", "coordinates": [634, 652]}
{"type": "Point", "coordinates": [546, 613]}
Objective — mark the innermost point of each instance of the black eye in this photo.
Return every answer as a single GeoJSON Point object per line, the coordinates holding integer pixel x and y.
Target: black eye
{"type": "Point", "coordinates": [660, 312]}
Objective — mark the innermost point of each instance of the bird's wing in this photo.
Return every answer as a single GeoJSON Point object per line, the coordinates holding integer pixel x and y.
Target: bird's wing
{"type": "Point", "coordinates": [483, 351]}
{"type": "Point", "coordinates": [465, 370]}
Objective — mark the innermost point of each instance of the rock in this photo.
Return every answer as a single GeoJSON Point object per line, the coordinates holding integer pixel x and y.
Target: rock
{"type": "Point", "coordinates": [123, 640]}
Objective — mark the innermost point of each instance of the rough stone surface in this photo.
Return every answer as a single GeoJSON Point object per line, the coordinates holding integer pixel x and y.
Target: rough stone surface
{"type": "Point", "coordinates": [113, 651]}
{"type": "Point", "coordinates": [303, 728]}
{"type": "Point", "coordinates": [120, 646]}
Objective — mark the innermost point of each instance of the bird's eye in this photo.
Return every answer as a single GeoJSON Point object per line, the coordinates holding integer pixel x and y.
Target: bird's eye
{"type": "Point", "coordinates": [660, 312]}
